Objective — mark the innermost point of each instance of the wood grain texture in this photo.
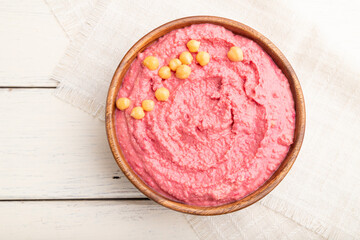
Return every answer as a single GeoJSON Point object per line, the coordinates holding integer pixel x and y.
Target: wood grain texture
{"type": "Point", "coordinates": [278, 58]}
{"type": "Point", "coordinates": [31, 44]}
{"type": "Point", "coordinates": [49, 149]}
{"type": "Point", "coordinates": [91, 220]}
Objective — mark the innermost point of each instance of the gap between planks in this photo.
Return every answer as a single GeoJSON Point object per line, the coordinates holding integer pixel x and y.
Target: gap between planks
{"type": "Point", "coordinates": [74, 199]}
{"type": "Point", "coordinates": [27, 87]}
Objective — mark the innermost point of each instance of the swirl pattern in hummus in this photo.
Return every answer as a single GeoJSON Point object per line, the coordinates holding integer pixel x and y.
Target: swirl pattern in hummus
{"type": "Point", "coordinates": [223, 131]}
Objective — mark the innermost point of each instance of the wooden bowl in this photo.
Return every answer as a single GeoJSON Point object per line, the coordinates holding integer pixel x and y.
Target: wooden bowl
{"type": "Point", "coordinates": [279, 59]}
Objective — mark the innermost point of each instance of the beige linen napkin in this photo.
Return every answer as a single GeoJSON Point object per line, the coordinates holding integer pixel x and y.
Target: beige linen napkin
{"type": "Point", "coordinates": [320, 197]}
{"type": "Point", "coordinates": [71, 14]}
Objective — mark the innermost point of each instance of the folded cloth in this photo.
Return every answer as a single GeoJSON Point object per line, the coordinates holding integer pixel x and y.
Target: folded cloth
{"type": "Point", "coordinates": [320, 197]}
{"type": "Point", "coordinates": [71, 14]}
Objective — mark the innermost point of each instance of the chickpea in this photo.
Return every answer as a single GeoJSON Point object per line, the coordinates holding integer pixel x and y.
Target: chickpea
{"type": "Point", "coordinates": [235, 54]}
{"type": "Point", "coordinates": [193, 45]}
{"type": "Point", "coordinates": [162, 94]}
{"type": "Point", "coordinates": [164, 72]}
{"type": "Point", "coordinates": [183, 71]}
{"type": "Point", "coordinates": [137, 113]}
{"type": "Point", "coordinates": [203, 58]}
{"type": "Point", "coordinates": [174, 64]}
{"type": "Point", "coordinates": [148, 105]}
{"type": "Point", "coordinates": [151, 62]}
{"type": "Point", "coordinates": [123, 103]}
{"type": "Point", "coordinates": [186, 58]}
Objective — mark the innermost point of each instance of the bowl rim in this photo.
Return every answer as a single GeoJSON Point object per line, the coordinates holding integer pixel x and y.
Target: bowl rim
{"type": "Point", "coordinates": [278, 58]}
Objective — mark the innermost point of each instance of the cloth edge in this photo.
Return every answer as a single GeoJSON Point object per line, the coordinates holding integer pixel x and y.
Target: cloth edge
{"type": "Point", "coordinates": [302, 218]}
{"type": "Point", "coordinates": [68, 94]}
{"type": "Point", "coordinates": [74, 97]}
{"type": "Point", "coordinates": [65, 91]}
{"type": "Point", "coordinates": [67, 24]}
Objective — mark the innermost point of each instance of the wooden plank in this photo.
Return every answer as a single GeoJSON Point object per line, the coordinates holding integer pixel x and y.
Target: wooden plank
{"type": "Point", "coordinates": [91, 220]}
{"type": "Point", "coordinates": [49, 149]}
{"type": "Point", "coordinates": [31, 43]}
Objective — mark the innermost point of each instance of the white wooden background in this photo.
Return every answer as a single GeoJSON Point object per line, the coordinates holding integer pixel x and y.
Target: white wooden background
{"type": "Point", "coordinates": [58, 179]}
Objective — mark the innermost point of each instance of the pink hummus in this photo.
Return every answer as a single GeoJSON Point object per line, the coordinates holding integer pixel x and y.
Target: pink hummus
{"type": "Point", "coordinates": [223, 131]}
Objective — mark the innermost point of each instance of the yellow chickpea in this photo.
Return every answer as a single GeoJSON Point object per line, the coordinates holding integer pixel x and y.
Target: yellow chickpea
{"type": "Point", "coordinates": [193, 45]}
{"type": "Point", "coordinates": [162, 94]}
{"type": "Point", "coordinates": [174, 64]}
{"type": "Point", "coordinates": [235, 54]}
{"type": "Point", "coordinates": [186, 58]}
{"type": "Point", "coordinates": [183, 72]}
{"type": "Point", "coordinates": [137, 113]}
{"type": "Point", "coordinates": [203, 58]}
{"type": "Point", "coordinates": [148, 105]}
{"type": "Point", "coordinates": [164, 72]}
{"type": "Point", "coordinates": [123, 103]}
{"type": "Point", "coordinates": [151, 62]}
